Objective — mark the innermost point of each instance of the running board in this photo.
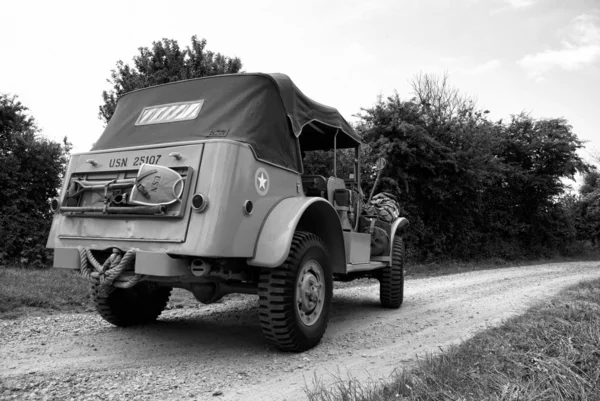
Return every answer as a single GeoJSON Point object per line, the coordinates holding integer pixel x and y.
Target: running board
{"type": "Point", "coordinates": [364, 267]}
{"type": "Point", "coordinates": [381, 259]}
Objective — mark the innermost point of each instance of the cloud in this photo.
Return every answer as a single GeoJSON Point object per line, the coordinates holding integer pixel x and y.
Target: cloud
{"type": "Point", "coordinates": [520, 3]}
{"type": "Point", "coordinates": [358, 55]}
{"type": "Point", "coordinates": [585, 29]}
{"type": "Point", "coordinates": [481, 68]}
{"type": "Point", "coordinates": [353, 11]}
{"type": "Point", "coordinates": [579, 48]}
{"type": "Point", "coordinates": [454, 65]}
{"type": "Point", "coordinates": [507, 5]}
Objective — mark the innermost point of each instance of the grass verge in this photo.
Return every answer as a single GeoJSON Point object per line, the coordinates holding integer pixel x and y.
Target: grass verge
{"type": "Point", "coordinates": [455, 266]}
{"type": "Point", "coordinates": [42, 291]}
{"type": "Point", "coordinates": [32, 290]}
{"type": "Point", "coordinates": [552, 352]}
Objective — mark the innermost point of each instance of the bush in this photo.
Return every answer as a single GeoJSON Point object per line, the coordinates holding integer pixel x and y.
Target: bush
{"type": "Point", "coordinates": [31, 170]}
{"type": "Point", "coordinates": [470, 187]}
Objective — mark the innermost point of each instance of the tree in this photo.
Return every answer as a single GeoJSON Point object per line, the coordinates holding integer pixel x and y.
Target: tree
{"type": "Point", "coordinates": [595, 155]}
{"type": "Point", "coordinates": [441, 103]}
{"type": "Point", "coordinates": [472, 187]}
{"type": "Point", "coordinates": [537, 155]}
{"type": "Point", "coordinates": [31, 170]}
{"type": "Point", "coordinates": [587, 208]}
{"type": "Point", "coordinates": [587, 212]}
{"type": "Point", "coordinates": [440, 153]}
{"type": "Point", "coordinates": [591, 182]}
{"type": "Point", "coordinates": [165, 62]}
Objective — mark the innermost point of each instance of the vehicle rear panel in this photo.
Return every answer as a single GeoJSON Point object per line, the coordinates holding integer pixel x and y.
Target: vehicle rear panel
{"type": "Point", "coordinates": [224, 171]}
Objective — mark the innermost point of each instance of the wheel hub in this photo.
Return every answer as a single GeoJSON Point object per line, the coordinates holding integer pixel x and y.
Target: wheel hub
{"type": "Point", "coordinates": [310, 292]}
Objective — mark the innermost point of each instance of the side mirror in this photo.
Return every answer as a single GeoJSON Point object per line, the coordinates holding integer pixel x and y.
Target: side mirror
{"type": "Point", "coordinates": [380, 164]}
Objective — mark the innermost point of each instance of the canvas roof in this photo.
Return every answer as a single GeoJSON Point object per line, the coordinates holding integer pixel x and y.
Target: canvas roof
{"type": "Point", "coordinates": [267, 111]}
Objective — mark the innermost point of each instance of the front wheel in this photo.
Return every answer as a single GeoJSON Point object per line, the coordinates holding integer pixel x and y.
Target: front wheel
{"type": "Point", "coordinates": [391, 281]}
{"type": "Point", "coordinates": [295, 298]}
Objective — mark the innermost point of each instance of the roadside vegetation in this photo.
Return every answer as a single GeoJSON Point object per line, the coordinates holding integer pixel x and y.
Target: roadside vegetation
{"type": "Point", "coordinates": [25, 291]}
{"type": "Point", "coordinates": [552, 352]}
{"type": "Point", "coordinates": [40, 291]}
{"type": "Point", "coordinates": [585, 252]}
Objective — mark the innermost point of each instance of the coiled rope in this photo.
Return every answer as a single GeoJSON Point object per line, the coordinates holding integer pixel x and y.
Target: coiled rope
{"type": "Point", "coordinates": [116, 271]}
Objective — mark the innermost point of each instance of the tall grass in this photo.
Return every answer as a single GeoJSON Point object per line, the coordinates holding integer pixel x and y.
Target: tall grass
{"type": "Point", "coordinates": [552, 352]}
{"type": "Point", "coordinates": [53, 289]}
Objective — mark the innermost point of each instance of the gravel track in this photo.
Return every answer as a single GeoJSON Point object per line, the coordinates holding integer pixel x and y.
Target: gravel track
{"type": "Point", "coordinates": [217, 351]}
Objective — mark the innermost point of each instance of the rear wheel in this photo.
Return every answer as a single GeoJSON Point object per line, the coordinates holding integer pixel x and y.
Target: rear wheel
{"type": "Point", "coordinates": [140, 304]}
{"type": "Point", "coordinates": [391, 282]}
{"type": "Point", "coordinates": [295, 298]}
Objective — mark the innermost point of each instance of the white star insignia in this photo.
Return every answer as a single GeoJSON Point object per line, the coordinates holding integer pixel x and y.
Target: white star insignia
{"type": "Point", "coordinates": [262, 181]}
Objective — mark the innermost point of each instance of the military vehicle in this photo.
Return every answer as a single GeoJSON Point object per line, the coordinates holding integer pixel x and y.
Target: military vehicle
{"type": "Point", "coordinates": [199, 185]}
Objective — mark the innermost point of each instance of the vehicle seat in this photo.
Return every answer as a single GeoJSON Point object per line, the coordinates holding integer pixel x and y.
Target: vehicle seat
{"type": "Point", "coordinates": [334, 183]}
{"type": "Point", "coordinates": [314, 185]}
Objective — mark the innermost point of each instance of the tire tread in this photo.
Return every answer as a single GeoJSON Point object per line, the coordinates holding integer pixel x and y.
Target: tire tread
{"type": "Point", "coordinates": [391, 283]}
{"type": "Point", "coordinates": [276, 289]}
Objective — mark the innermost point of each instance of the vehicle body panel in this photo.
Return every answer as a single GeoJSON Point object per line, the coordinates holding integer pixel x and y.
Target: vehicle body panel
{"type": "Point", "coordinates": [228, 179]}
{"type": "Point", "coordinates": [222, 230]}
{"type": "Point", "coordinates": [358, 247]}
{"type": "Point", "coordinates": [124, 164]}
{"type": "Point", "coordinates": [295, 213]}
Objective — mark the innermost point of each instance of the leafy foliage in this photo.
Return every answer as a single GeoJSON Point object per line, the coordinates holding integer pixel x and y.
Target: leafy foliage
{"type": "Point", "coordinates": [471, 187]}
{"type": "Point", "coordinates": [31, 169]}
{"type": "Point", "coordinates": [165, 62]}
{"type": "Point", "coordinates": [591, 183]}
{"type": "Point", "coordinates": [586, 209]}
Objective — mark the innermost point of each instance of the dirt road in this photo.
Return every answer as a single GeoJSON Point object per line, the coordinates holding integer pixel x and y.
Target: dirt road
{"type": "Point", "coordinates": [217, 351]}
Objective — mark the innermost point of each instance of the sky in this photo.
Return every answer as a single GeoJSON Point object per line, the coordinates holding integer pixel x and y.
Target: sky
{"type": "Point", "coordinates": [537, 56]}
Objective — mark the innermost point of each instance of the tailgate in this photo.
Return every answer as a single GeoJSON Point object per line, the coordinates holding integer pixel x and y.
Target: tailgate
{"type": "Point", "coordinates": [101, 202]}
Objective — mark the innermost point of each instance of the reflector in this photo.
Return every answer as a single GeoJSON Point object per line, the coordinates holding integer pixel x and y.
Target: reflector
{"type": "Point", "coordinates": [199, 202]}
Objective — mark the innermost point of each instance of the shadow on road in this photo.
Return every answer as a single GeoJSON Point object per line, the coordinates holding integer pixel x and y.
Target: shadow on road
{"type": "Point", "coordinates": [195, 335]}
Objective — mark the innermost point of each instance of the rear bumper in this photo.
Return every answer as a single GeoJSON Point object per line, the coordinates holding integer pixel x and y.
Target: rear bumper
{"type": "Point", "coordinates": [147, 263]}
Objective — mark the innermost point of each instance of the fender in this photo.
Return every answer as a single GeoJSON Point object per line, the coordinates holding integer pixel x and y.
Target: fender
{"type": "Point", "coordinates": [397, 225]}
{"type": "Point", "coordinates": [312, 214]}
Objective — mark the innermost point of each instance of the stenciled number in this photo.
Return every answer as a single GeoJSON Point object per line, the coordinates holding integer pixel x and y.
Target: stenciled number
{"type": "Point", "coordinates": [138, 160]}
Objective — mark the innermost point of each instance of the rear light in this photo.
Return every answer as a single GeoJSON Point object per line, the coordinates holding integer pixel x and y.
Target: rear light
{"type": "Point", "coordinates": [54, 205]}
{"type": "Point", "coordinates": [199, 202]}
{"type": "Point", "coordinates": [248, 207]}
